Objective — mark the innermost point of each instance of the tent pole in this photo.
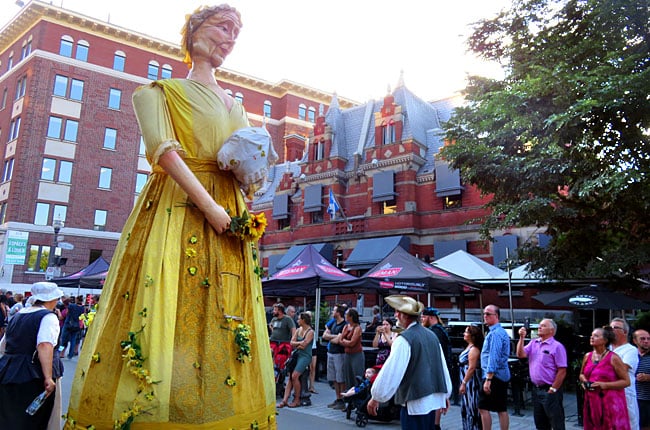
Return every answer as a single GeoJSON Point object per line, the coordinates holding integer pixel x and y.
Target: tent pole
{"type": "Point", "coordinates": [317, 312]}
{"type": "Point", "coordinates": [512, 312]}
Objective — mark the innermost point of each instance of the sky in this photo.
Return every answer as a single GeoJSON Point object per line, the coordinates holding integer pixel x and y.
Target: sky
{"type": "Point", "coordinates": [356, 48]}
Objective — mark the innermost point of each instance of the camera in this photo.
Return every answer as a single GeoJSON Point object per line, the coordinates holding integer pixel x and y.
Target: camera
{"type": "Point", "coordinates": [587, 386]}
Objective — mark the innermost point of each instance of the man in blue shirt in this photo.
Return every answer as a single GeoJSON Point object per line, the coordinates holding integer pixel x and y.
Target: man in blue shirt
{"type": "Point", "coordinates": [496, 373]}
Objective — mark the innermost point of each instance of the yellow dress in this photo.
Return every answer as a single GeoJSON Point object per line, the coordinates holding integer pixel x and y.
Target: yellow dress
{"type": "Point", "coordinates": [162, 351]}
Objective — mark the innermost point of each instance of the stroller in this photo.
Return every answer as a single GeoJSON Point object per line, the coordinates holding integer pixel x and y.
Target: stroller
{"type": "Point", "coordinates": [281, 351]}
{"type": "Point", "coordinates": [358, 402]}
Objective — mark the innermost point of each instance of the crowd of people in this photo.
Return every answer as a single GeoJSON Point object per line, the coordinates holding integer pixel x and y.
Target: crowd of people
{"type": "Point", "coordinates": [615, 375]}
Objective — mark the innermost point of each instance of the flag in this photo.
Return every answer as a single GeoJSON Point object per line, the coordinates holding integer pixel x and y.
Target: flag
{"type": "Point", "coordinates": [333, 206]}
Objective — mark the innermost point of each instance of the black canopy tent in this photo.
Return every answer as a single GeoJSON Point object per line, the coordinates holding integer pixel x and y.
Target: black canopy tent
{"type": "Point", "coordinates": [304, 277]}
{"type": "Point", "coordinates": [75, 280]}
{"type": "Point", "coordinates": [404, 272]}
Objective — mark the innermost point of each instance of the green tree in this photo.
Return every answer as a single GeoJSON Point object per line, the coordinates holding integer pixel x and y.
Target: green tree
{"type": "Point", "coordinates": [562, 142]}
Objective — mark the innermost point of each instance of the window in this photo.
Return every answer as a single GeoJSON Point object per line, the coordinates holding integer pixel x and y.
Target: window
{"type": "Point", "coordinates": [105, 174]}
{"type": "Point", "coordinates": [60, 85]}
{"type": "Point", "coordinates": [316, 217]}
{"type": "Point", "coordinates": [48, 169]}
{"type": "Point", "coordinates": [229, 92]}
{"type": "Point", "coordinates": [42, 214]}
{"type": "Point", "coordinates": [94, 254]}
{"type": "Point", "coordinates": [166, 72]}
{"type": "Point", "coordinates": [143, 149]}
{"type": "Point", "coordinates": [71, 129]}
{"type": "Point", "coordinates": [10, 61]}
{"type": "Point", "coordinates": [284, 224]}
{"type": "Point", "coordinates": [100, 220]}
{"type": "Point", "coordinates": [27, 49]}
{"type": "Point", "coordinates": [119, 60]}
{"type": "Point", "coordinates": [82, 50]}
{"type": "Point", "coordinates": [267, 109]}
{"type": "Point", "coordinates": [312, 114]}
{"type": "Point", "coordinates": [38, 258]}
{"type": "Point", "coordinates": [65, 48]}
{"type": "Point", "coordinates": [152, 70]}
{"type": "Point", "coordinates": [114, 97]}
{"type": "Point", "coordinates": [319, 150]}
{"type": "Point", "coordinates": [54, 127]}
{"type": "Point", "coordinates": [8, 170]}
{"type": "Point", "coordinates": [3, 103]}
{"type": "Point", "coordinates": [60, 212]}
{"type": "Point", "coordinates": [452, 202]}
{"type": "Point", "coordinates": [14, 129]}
{"type": "Point", "coordinates": [65, 171]}
{"type": "Point", "coordinates": [140, 180]}
{"type": "Point", "coordinates": [3, 212]}
{"type": "Point", "coordinates": [21, 85]}
{"type": "Point", "coordinates": [239, 97]}
{"type": "Point", "coordinates": [388, 133]}
{"type": "Point", "coordinates": [110, 138]}
{"type": "Point", "coordinates": [302, 112]}
{"type": "Point", "coordinates": [76, 89]}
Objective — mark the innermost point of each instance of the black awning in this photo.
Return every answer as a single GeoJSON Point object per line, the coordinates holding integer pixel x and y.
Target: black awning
{"type": "Point", "coordinates": [324, 249]}
{"type": "Point", "coordinates": [369, 252]}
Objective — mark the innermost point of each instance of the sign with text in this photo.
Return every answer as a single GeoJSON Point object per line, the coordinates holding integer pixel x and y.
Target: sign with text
{"type": "Point", "coordinates": [16, 247]}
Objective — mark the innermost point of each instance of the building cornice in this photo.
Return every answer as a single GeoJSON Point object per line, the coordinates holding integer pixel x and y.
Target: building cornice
{"type": "Point", "coordinates": [36, 11]}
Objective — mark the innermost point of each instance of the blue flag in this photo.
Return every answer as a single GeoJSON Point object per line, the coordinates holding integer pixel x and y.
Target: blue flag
{"type": "Point", "coordinates": [333, 206]}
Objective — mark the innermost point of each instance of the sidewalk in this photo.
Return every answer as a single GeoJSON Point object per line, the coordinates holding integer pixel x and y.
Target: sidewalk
{"type": "Point", "coordinates": [450, 421]}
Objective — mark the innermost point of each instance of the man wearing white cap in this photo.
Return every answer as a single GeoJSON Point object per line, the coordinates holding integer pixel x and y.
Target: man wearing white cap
{"type": "Point", "coordinates": [415, 371]}
{"type": "Point", "coordinates": [28, 365]}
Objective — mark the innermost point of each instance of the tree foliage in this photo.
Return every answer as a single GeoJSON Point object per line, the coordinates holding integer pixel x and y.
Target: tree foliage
{"type": "Point", "coordinates": [562, 142]}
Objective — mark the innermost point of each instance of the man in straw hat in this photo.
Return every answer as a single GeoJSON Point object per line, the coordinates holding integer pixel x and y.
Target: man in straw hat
{"type": "Point", "coordinates": [415, 371]}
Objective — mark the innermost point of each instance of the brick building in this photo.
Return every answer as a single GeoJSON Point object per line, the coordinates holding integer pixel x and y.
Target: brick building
{"type": "Point", "coordinates": [72, 154]}
{"type": "Point", "coordinates": [72, 150]}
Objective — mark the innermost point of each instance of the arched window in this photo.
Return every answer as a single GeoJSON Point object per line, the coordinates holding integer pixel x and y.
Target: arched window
{"type": "Point", "coordinates": [65, 48]}
{"type": "Point", "coordinates": [239, 97]}
{"type": "Point", "coordinates": [27, 48]}
{"type": "Point", "coordinates": [312, 114]}
{"type": "Point", "coordinates": [10, 61]}
{"type": "Point", "coordinates": [119, 61]}
{"type": "Point", "coordinates": [166, 72]}
{"type": "Point", "coordinates": [82, 50]}
{"type": "Point", "coordinates": [302, 112]}
{"type": "Point", "coordinates": [152, 70]}
{"type": "Point", "coordinates": [229, 92]}
{"type": "Point", "coordinates": [267, 109]}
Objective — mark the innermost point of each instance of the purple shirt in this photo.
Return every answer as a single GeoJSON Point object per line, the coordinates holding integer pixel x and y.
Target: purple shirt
{"type": "Point", "coordinates": [544, 359]}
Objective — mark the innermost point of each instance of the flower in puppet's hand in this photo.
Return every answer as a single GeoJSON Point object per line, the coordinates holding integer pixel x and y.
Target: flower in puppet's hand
{"type": "Point", "coordinates": [248, 226]}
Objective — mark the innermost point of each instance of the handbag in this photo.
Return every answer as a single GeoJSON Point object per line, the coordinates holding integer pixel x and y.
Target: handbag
{"type": "Point", "coordinates": [291, 362]}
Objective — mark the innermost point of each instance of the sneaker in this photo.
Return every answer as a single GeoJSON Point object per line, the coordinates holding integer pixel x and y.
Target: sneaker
{"type": "Point", "coordinates": [334, 403]}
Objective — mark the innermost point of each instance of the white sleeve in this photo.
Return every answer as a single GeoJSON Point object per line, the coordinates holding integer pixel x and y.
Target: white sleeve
{"type": "Point", "coordinates": [392, 372]}
{"type": "Point", "coordinates": [48, 331]}
{"type": "Point", "coordinates": [443, 364]}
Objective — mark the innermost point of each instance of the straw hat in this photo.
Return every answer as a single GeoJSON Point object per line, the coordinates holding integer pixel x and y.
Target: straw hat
{"type": "Point", "coordinates": [405, 304]}
{"type": "Point", "coordinates": [46, 291]}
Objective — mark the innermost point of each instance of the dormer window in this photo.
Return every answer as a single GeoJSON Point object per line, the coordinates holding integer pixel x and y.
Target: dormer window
{"type": "Point", "coordinates": [319, 150]}
{"type": "Point", "coordinates": [388, 133]}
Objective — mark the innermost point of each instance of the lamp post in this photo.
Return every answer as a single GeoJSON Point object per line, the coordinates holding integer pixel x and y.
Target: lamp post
{"type": "Point", "coordinates": [57, 225]}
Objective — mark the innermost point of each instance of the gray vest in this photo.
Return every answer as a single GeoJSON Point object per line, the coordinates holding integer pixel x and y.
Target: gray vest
{"type": "Point", "coordinates": [424, 373]}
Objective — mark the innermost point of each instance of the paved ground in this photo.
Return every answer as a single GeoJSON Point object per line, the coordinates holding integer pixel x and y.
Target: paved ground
{"type": "Point", "coordinates": [319, 416]}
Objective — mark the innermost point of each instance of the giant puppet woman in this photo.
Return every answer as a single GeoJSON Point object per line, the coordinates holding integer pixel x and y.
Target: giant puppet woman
{"type": "Point", "coordinates": [180, 339]}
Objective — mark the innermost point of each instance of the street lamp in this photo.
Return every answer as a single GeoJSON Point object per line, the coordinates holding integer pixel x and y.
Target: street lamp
{"type": "Point", "coordinates": [57, 225]}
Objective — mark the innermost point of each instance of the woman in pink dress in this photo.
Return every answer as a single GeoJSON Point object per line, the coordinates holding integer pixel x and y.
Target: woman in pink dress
{"type": "Point", "coordinates": [603, 377]}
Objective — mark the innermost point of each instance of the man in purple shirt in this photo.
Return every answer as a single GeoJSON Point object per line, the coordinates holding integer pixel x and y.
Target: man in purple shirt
{"type": "Point", "coordinates": [547, 363]}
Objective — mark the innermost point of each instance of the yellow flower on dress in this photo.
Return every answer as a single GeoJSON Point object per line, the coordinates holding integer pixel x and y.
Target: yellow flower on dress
{"type": "Point", "coordinates": [257, 225]}
{"type": "Point", "coordinates": [191, 252]}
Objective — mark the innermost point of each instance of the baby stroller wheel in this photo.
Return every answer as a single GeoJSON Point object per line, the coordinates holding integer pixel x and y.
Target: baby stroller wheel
{"type": "Point", "coordinates": [362, 420]}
